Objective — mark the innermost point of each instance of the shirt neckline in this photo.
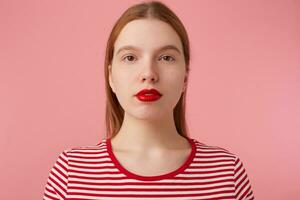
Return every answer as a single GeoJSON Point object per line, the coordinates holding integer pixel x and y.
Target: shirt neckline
{"type": "Point", "coordinates": [157, 177]}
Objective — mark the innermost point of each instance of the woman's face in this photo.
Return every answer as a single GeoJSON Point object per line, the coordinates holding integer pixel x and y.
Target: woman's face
{"type": "Point", "coordinates": [140, 62]}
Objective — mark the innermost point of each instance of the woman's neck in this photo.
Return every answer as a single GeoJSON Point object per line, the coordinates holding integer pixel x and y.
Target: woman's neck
{"type": "Point", "coordinates": [138, 135]}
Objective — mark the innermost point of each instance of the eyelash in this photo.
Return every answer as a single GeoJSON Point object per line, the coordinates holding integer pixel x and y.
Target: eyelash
{"type": "Point", "coordinates": [172, 58]}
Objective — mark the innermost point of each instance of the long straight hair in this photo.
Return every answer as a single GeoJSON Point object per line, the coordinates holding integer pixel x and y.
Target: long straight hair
{"type": "Point", "coordinates": [147, 10]}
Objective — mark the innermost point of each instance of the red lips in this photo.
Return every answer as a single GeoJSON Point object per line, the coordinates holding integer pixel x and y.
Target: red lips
{"type": "Point", "coordinates": [148, 95]}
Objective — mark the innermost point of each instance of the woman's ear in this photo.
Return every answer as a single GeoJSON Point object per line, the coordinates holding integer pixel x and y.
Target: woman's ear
{"type": "Point", "coordinates": [111, 84]}
{"type": "Point", "coordinates": [185, 83]}
{"type": "Point", "coordinates": [184, 87]}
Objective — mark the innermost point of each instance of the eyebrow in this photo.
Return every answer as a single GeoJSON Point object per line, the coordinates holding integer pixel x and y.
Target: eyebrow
{"type": "Point", "coordinates": [130, 47]}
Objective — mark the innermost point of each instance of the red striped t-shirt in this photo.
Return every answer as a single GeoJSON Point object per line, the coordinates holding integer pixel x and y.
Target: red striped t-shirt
{"type": "Point", "coordinates": [93, 172]}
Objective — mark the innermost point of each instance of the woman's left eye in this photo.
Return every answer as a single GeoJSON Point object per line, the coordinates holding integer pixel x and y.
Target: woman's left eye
{"type": "Point", "coordinates": [168, 58]}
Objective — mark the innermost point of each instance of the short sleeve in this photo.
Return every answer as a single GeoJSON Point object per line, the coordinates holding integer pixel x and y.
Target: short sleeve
{"type": "Point", "coordinates": [56, 186]}
{"type": "Point", "coordinates": [243, 189]}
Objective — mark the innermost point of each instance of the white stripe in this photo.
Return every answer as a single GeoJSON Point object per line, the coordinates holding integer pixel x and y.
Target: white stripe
{"type": "Point", "coordinates": [126, 180]}
{"type": "Point", "coordinates": [73, 160]}
{"type": "Point", "coordinates": [83, 154]}
{"type": "Point", "coordinates": [209, 164]}
{"type": "Point", "coordinates": [173, 198]}
{"type": "Point", "coordinates": [209, 169]}
{"type": "Point", "coordinates": [151, 192]}
{"type": "Point", "coordinates": [150, 186]}
{"type": "Point", "coordinates": [88, 165]}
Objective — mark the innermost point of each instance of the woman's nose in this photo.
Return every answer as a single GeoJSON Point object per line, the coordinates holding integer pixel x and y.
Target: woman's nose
{"type": "Point", "coordinates": [149, 72]}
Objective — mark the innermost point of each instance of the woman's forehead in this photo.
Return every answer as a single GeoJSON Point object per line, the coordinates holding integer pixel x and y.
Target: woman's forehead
{"type": "Point", "coordinates": [147, 34]}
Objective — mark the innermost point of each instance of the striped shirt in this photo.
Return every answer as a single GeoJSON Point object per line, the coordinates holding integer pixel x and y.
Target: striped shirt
{"type": "Point", "coordinates": [93, 172]}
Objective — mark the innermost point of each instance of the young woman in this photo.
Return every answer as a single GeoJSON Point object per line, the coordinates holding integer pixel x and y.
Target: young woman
{"type": "Point", "coordinates": [147, 153]}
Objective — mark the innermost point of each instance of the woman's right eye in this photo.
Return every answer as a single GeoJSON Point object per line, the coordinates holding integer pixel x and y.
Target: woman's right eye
{"type": "Point", "coordinates": [129, 58]}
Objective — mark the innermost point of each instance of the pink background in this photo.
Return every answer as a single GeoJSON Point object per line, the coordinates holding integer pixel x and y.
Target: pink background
{"type": "Point", "coordinates": [243, 93]}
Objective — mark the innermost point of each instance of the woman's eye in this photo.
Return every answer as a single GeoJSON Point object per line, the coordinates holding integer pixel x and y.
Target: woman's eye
{"type": "Point", "coordinates": [129, 58]}
{"type": "Point", "coordinates": [168, 58]}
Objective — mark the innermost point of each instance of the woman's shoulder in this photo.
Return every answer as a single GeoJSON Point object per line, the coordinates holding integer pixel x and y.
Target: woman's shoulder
{"type": "Point", "coordinates": [218, 156]}
{"type": "Point", "coordinates": [87, 148]}
{"type": "Point", "coordinates": [212, 149]}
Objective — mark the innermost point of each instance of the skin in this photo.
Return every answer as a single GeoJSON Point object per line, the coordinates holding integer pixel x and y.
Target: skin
{"type": "Point", "coordinates": [148, 131]}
